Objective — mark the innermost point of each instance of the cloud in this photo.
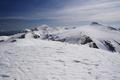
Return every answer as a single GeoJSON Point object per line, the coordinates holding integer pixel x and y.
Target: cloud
{"type": "Point", "coordinates": [107, 17]}
{"type": "Point", "coordinates": [102, 10]}
{"type": "Point", "coordinates": [79, 10]}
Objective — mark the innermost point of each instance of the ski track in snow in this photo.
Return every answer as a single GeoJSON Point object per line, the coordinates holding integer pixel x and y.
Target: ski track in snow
{"type": "Point", "coordinates": [47, 60]}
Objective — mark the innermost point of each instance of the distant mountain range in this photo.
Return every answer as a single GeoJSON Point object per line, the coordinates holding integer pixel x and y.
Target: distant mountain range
{"type": "Point", "coordinates": [95, 35]}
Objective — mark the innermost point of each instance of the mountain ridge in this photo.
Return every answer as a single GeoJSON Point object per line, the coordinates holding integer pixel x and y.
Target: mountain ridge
{"type": "Point", "coordinates": [95, 35]}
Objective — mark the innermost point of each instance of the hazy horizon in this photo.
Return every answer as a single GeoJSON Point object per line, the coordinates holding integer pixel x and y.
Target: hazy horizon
{"type": "Point", "coordinates": [20, 14]}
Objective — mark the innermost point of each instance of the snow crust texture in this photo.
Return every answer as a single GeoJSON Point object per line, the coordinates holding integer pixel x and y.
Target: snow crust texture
{"type": "Point", "coordinates": [36, 59]}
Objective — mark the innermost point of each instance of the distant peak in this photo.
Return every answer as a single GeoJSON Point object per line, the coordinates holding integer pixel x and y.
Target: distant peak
{"type": "Point", "coordinates": [95, 23]}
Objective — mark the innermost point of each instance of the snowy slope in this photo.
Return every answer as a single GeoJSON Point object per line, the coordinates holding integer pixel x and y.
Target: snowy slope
{"type": "Point", "coordinates": [34, 59]}
{"type": "Point", "coordinates": [2, 38]}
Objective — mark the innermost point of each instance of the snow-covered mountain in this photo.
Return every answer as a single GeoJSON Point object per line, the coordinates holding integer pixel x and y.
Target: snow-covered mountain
{"type": "Point", "coordinates": [46, 53]}
{"type": "Point", "coordinates": [33, 59]}
{"type": "Point", "coordinates": [94, 35]}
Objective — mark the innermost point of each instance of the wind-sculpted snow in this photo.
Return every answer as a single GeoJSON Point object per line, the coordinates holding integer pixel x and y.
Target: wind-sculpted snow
{"type": "Point", "coordinates": [34, 59]}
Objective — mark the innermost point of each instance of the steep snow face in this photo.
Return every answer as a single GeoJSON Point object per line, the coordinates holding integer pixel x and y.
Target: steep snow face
{"type": "Point", "coordinates": [32, 59]}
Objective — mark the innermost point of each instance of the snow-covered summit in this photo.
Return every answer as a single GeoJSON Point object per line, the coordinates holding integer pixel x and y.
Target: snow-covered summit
{"type": "Point", "coordinates": [96, 23]}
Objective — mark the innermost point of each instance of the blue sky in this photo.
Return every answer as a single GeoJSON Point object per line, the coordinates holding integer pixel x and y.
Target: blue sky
{"type": "Point", "coordinates": [19, 14]}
